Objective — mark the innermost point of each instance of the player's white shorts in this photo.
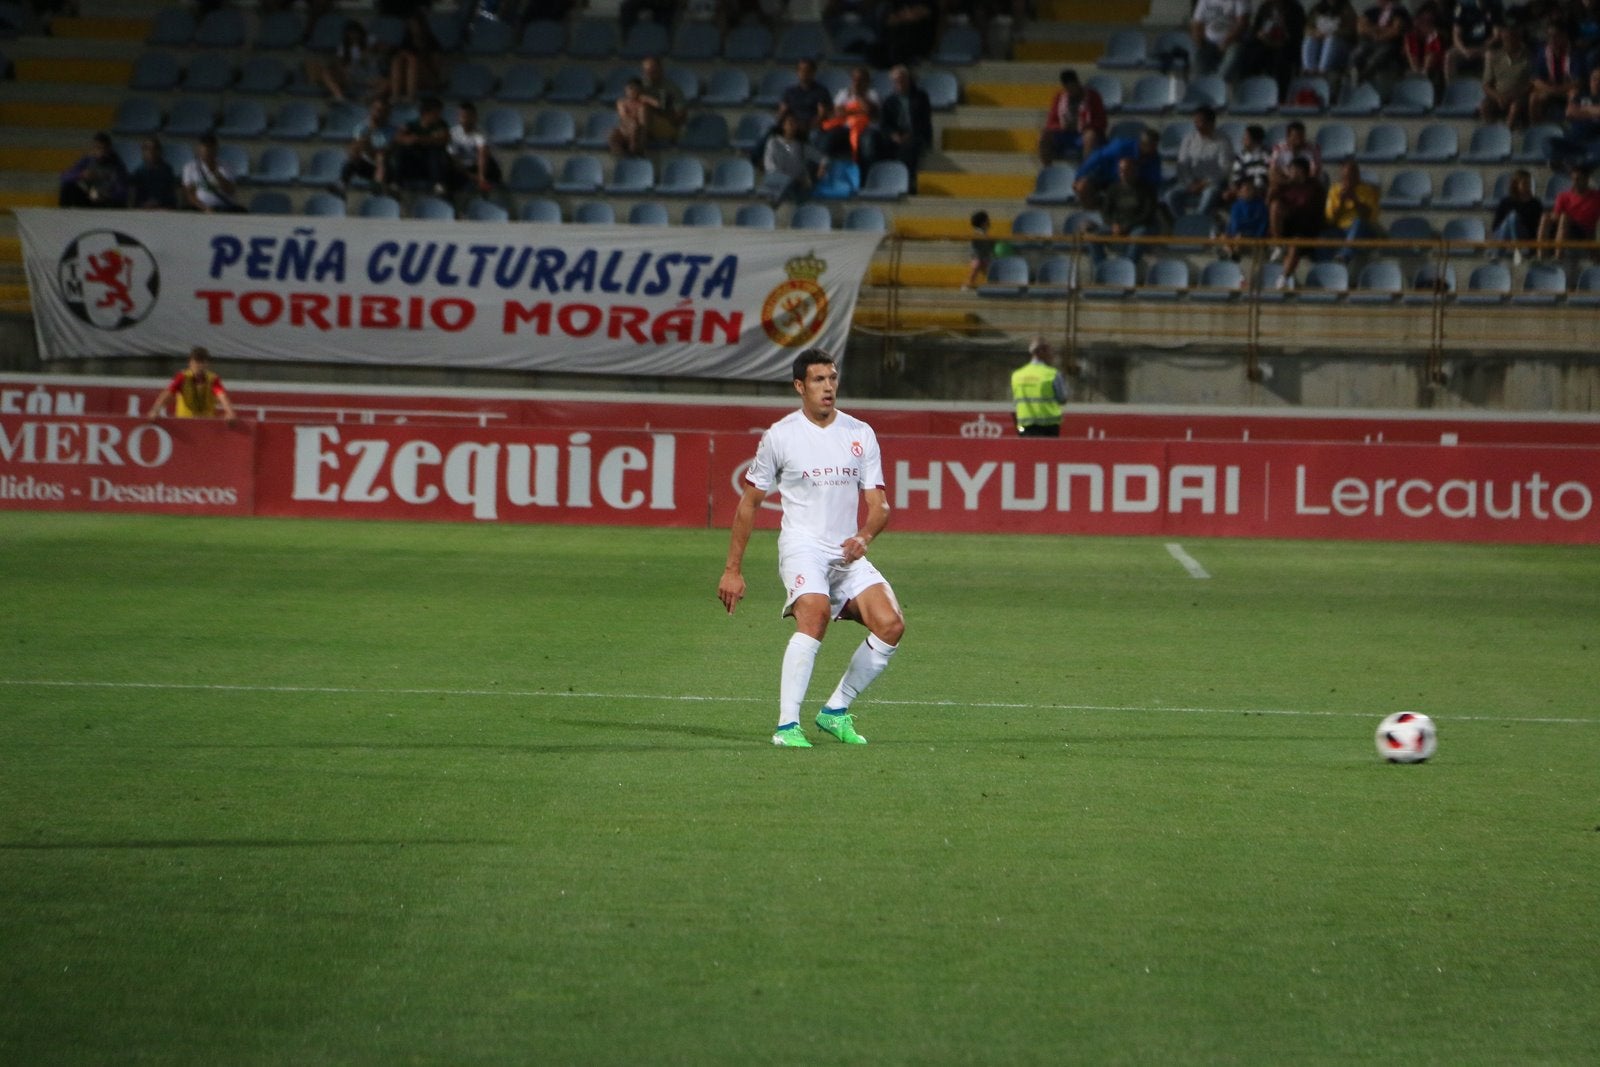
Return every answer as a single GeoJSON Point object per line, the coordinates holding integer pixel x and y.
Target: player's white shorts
{"type": "Point", "coordinates": [809, 569]}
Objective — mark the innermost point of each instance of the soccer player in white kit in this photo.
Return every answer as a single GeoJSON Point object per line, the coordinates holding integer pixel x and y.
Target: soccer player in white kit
{"type": "Point", "coordinates": [824, 464]}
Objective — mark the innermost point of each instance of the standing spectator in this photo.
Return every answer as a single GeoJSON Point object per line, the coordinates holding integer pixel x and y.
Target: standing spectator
{"type": "Point", "coordinates": [417, 62]}
{"type": "Point", "coordinates": [422, 149]}
{"type": "Point", "coordinates": [1038, 390]}
{"type": "Point", "coordinates": [154, 184]}
{"type": "Point", "coordinates": [1574, 214]}
{"type": "Point", "coordinates": [1473, 27]}
{"type": "Point", "coordinates": [1076, 122]}
{"type": "Point", "coordinates": [197, 390]}
{"type": "Point", "coordinates": [1507, 77]}
{"type": "Point", "coordinates": [471, 163]}
{"type": "Point", "coordinates": [1205, 163]}
{"type": "Point", "coordinates": [1273, 44]}
{"type": "Point", "coordinates": [982, 250]}
{"type": "Point", "coordinates": [353, 70]}
{"type": "Point", "coordinates": [905, 125]}
{"type": "Point", "coordinates": [209, 186]}
{"type": "Point", "coordinates": [1129, 209]}
{"type": "Point", "coordinates": [1424, 49]}
{"type": "Point", "coordinates": [1517, 216]}
{"type": "Point", "coordinates": [792, 163]}
{"type": "Point", "coordinates": [1579, 144]}
{"type": "Point", "coordinates": [1099, 170]}
{"type": "Point", "coordinates": [1218, 29]}
{"type": "Point", "coordinates": [1295, 145]}
{"type": "Point", "coordinates": [1380, 32]}
{"type": "Point", "coordinates": [1352, 208]}
{"type": "Point", "coordinates": [371, 145]}
{"type": "Point", "coordinates": [1554, 76]}
{"type": "Point", "coordinates": [1247, 218]}
{"type": "Point", "coordinates": [628, 135]}
{"type": "Point", "coordinates": [1330, 35]}
{"type": "Point", "coordinates": [1294, 211]}
{"type": "Point", "coordinates": [855, 107]}
{"type": "Point", "coordinates": [99, 179]}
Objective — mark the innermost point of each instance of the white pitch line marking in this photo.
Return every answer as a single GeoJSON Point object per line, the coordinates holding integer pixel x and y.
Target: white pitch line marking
{"type": "Point", "coordinates": [1186, 561]}
{"type": "Point", "coordinates": [690, 698]}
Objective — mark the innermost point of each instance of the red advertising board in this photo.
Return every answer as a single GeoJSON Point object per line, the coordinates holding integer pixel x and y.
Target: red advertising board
{"type": "Point", "coordinates": [455, 473]}
{"type": "Point", "coordinates": [176, 466]}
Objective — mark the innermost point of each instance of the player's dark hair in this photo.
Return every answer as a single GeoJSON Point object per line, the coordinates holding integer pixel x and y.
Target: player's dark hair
{"type": "Point", "coordinates": [807, 359]}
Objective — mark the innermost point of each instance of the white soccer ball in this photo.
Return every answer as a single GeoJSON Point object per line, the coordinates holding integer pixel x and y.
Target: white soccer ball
{"type": "Point", "coordinates": [1407, 737]}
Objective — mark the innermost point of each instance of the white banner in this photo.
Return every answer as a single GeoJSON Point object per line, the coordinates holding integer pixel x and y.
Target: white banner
{"type": "Point", "coordinates": [683, 300]}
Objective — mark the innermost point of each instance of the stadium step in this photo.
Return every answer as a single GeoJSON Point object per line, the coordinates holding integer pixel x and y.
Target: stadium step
{"type": "Point", "coordinates": [58, 70]}
{"type": "Point", "coordinates": [39, 159]}
{"type": "Point", "coordinates": [1121, 12]}
{"type": "Point", "coordinates": [976, 186]}
{"type": "Point", "coordinates": [99, 29]}
{"type": "Point", "coordinates": [1040, 51]}
{"type": "Point", "coordinates": [36, 115]}
{"type": "Point", "coordinates": [1011, 94]}
{"type": "Point", "coordinates": [1023, 139]}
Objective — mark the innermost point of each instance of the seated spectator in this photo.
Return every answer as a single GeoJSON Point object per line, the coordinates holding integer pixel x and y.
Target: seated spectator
{"type": "Point", "coordinates": [1076, 122]}
{"type": "Point", "coordinates": [1554, 76]}
{"type": "Point", "coordinates": [982, 250]}
{"type": "Point", "coordinates": [905, 33]}
{"type": "Point", "coordinates": [1252, 163]}
{"type": "Point", "coordinates": [1130, 209]}
{"type": "Point", "coordinates": [1205, 164]}
{"type": "Point", "coordinates": [99, 179]}
{"type": "Point", "coordinates": [1273, 44]}
{"type": "Point", "coordinates": [792, 164]}
{"type": "Point", "coordinates": [1247, 218]}
{"type": "Point", "coordinates": [208, 186]}
{"type": "Point", "coordinates": [1218, 29]}
{"type": "Point", "coordinates": [628, 135]}
{"type": "Point", "coordinates": [1579, 144]}
{"type": "Point", "coordinates": [353, 71]}
{"type": "Point", "coordinates": [855, 108]}
{"type": "Point", "coordinates": [905, 125]}
{"type": "Point", "coordinates": [1574, 214]}
{"type": "Point", "coordinates": [1424, 49]}
{"type": "Point", "coordinates": [665, 110]}
{"type": "Point", "coordinates": [1329, 38]}
{"type": "Point", "coordinates": [1507, 77]}
{"type": "Point", "coordinates": [1584, 19]}
{"type": "Point", "coordinates": [417, 62]}
{"type": "Point", "coordinates": [1474, 25]}
{"type": "Point", "coordinates": [1517, 216]}
{"type": "Point", "coordinates": [661, 11]}
{"type": "Point", "coordinates": [807, 99]}
{"type": "Point", "coordinates": [370, 147]}
{"type": "Point", "coordinates": [1294, 211]}
{"type": "Point", "coordinates": [1380, 32]}
{"type": "Point", "coordinates": [1352, 207]}
{"type": "Point", "coordinates": [153, 184]}
{"type": "Point", "coordinates": [472, 165]}
{"type": "Point", "coordinates": [422, 149]}
{"type": "Point", "coordinates": [1099, 170]}
{"type": "Point", "coordinates": [1295, 145]}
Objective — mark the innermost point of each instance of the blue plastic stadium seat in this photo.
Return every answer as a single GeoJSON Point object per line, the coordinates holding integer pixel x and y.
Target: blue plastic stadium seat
{"type": "Point", "coordinates": [296, 120]}
{"type": "Point", "coordinates": [1586, 293]}
{"type": "Point", "coordinates": [800, 40]}
{"type": "Point", "coordinates": [277, 165]}
{"type": "Point", "coordinates": [1220, 280]}
{"type": "Point", "coordinates": [243, 119]}
{"type": "Point", "coordinates": [703, 215]}
{"type": "Point", "coordinates": [1203, 90]}
{"type": "Point", "coordinates": [1053, 185]}
{"type": "Point", "coordinates": [1032, 222]}
{"type": "Point", "coordinates": [1380, 282]}
{"type": "Point", "coordinates": [137, 116]}
{"type": "Point", "coordinates": [648, 213]}
{"type": "Point", "coordinates": [271, 202]}
{"type": "Point", "coordinates": [591, 38]}
{"type": "Point", "coordinates": [208, 72]}
{"type": "Point", "coordinates": [1055, 277]}
{"type": "Point", "coordinates": [1356, 101]}
{"type": "Point", "coordinates": [645, 39]}
{"type": "Point", "coordinates": [596, 132]}
{"type": "Point", "coordinates": [1489, 283]}
{"type": "Point", "coordinates": [1114, 279]}
{"type": "Point", "coordinates": [811, 217]}
{"type": "Point", "coordinates": [1545, 283]}
{"type": "Point", "coordinates": [684, 176]}
{"type": "Point", "coordinates": [1535, 146]}
{"type": "Point", "coordinates": [726, 87]}
{"type": "Point", "coordinates": [706, 131]}
{"type": "Point", "coordinates": [540, 210]}
{"type": "Point", "coordinates": [1008, 277]}
{"type": "Point", "coordinates": [769, 90]}
{"type": "Point", "coordinates": [960, 45]}
{"type": "Point", "coordinates": [489, 38]}
{"type": "Point", "coordinates": [1430, 283]}
{"type": "Point", "coordinates": [1436, 143]}
{"type": "Point", "coordinates": [748, 43]}
{"type": "Point", "coordinates": [470, 81]}
{"type": "Point", "coordinates": [324, 205]}
{"type": "Point", "coordinates": [523, 83]}
{"type": "Point", "coordinates": [1461, 234]}
{"type": "Point", "coordinates": [191, 116]}
{"type": "Point", "coordinates": [1385, 143]}
{"type": "Point", "coordinates": [1308, 95]}
{"type": "Point", "coordinates": [323, 167]}
{"type": "Point", "coordinates": [580, 175]}
{"type": "Point", "coordinates": [1410, 97]}
{"type": "Point", "coordinates": [755, 217]}
{"type": "Point", "coordinates": [433, 208]}
{"type": "Point", "coordinates": [552, 129]}
{"type": "Point", "coordinates": [1125, 50]}
{"type": "Point", "coordinates": [1462, 191]}
{"type": "Point", "coordinates": [173, 27]}
{"type": "Point", "coordinates": [887, 180]}
{"type": "Point", "coordinates": [1255, 95]}
{"type": "Point", "coordinates": [943, 89]}
{"type": "Point", "coordinates": [749, 130]}
{"type": "Point", "coordinates": [543, 38]}
{"type": "Point", "coordinates": [379, 207]}
{"type": "Point", "coordinates": [1166, 279]}
{"type": "Point", "coordinates": [1109, 86]}
{"type": "Point", "coordinates": [1412, 228]}
{"type": "Point", "coordinates": [731, 178]}
{"type": "Point", "coordinates": [221, 28]}
{"type": "Point", "coordinates": [866, 218]}
{"type": "Point", "coordinates": [503, 126]}
{"type": "Point", "coordinates": [262, 74]}
{"type": "Point", "coordinates": [529, 174]}
{"type": "Point", "coordinates": [1461, 99]}
{"type": "Point", "coordinates": [480, 210]}
{"type": "Point", "coordinates": [696, 41]}
{"type": "Point", "coordinates": [1325, 283]}
{"type": "Point", "coordinates": [572, 84]}
{"type": "Point", "coordinates": [630, 176]}
{"type": "Point", "coordinates": [1152, 94]}
{"type": "Point", "coordinates": [1488, 144]}
{"type": "Point", "coordinates": [1337, 142]}
{"type": "Point", "coordinates": [280, 31]}
{"type": "Point", "coordinates": [339, 122]}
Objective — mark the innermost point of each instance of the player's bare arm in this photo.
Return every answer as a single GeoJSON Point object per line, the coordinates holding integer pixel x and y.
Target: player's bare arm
{"type": "Point", "coordinates": [730, 590]}
{"type": "Point", "coordinates": [855, 547]}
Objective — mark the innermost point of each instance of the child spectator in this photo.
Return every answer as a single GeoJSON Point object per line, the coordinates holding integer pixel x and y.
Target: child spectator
{"type": "Point", "coordinates": [1252, 164]}
{"type": "Point", "coordinates": [1247, 218]}
{"type": "Point", "coordinates": [792, 164]}
{"type": "Point", "coordinates": [982, 250]}
{"type": "Point", "coordinates": [628, 137]}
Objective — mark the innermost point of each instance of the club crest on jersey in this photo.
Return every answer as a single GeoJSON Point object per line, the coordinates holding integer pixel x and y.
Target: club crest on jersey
{"type": "Point", "coordinates": [795, 312]}
{"type": "Point", "coordinates": [855, 449]}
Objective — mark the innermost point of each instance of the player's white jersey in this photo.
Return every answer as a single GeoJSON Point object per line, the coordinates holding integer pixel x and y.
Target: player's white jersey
{"type": "Point", "coordinates": [820, 472]}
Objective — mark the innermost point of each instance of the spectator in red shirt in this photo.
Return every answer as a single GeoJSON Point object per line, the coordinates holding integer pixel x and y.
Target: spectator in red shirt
{"type": "Point", "coordinates": [1424, 49]}
{"type": "Point", "coordinates": [1295, 209]}
{"type": "Point", "coordinates": [1076, 123]}
{"type": "Point", "coordinates": [1574, 214]}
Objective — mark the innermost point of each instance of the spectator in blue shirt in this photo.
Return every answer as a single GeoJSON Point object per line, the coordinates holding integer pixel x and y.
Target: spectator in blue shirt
{"type": "Point", "coordinates": [1099, 170]}
{"type": "Point", "coordinates": [1247, 218]}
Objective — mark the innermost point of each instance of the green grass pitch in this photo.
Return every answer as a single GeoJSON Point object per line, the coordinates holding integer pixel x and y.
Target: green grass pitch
{"type": "Point", "coordinates": [283, 792]}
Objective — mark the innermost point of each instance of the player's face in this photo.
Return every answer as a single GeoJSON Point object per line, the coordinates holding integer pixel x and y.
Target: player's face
{"type": "Point", "coordinates": [818, 391]}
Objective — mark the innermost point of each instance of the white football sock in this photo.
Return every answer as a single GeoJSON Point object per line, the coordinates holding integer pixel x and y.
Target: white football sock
{"type": "Point", "coordinates": [798, 659]}
{"type": "Point", "coordinates": [869, 660]}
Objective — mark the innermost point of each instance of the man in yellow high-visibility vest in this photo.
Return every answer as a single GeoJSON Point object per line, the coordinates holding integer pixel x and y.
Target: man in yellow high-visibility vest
{"type": "Point", "coordinates": [1039, 390]}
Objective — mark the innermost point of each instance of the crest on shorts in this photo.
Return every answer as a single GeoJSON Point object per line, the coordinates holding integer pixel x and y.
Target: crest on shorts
{"type": "Point", "coordinates": [795, 312]}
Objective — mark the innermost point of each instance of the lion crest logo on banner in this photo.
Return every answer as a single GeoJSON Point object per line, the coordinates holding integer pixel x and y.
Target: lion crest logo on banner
{"type": "Point", "coordinates": [108, 279]}
{"type": "Point", "coordinates": [795, 312]}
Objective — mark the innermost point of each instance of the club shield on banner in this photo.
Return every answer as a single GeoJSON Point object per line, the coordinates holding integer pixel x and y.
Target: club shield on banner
{"type": "Point", "coordinates": [682, 301]}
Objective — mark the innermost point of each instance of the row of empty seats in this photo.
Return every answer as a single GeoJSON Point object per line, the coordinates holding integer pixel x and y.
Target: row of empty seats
{"type": "Point", "coordinates": [1381, 281]}
{"type": "Point", "coordinates": [583, 38]}
{"type": "Point", "coordinates": [1461, 235]}
{"type": "Point", "coordinates": [1308, 95]}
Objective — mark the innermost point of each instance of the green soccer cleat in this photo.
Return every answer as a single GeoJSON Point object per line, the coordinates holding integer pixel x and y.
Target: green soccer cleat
{"type": "Point", "coordinates": [791, 736]}
{"type": "Point", "coordinates": [840, 724]}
